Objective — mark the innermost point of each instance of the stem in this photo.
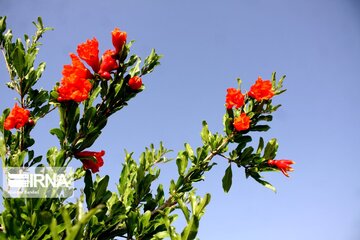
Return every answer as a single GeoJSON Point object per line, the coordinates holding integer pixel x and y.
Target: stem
{"type": "Point", "coordinates": [7, 65]}
{"type": "Point", "coordinates": [170, 202]}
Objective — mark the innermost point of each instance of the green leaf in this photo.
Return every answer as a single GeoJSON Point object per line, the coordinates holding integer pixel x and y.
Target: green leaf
{"type": "Point", "coordinates": [205, 133]}
{"type": "Point", "coordinates": [260, 128]}
{"type": "Point", "coordinates": [54, 230]}
{"type": "Point", "coordinates": [270, 149]}
{"type": "Point", "coordinates": [227, 179]}
{"type": "Point", "coordinates": [59, 133]}
{"type": "Point", "coordinates": [2, 148]}
{"type": "Point", "coordinates": [88, 188]}
{"type": "Point", "coordinates": [260, 146]}
{"type": "Point", "coordinates": [18, 58]}
{"type": "Point", "coordinates": [189, 151]}
{"type": "Point", "coordinates": [181, 162]}
{"type": "Point", "coordinates": [134, 71]}
{"type": "Point", "coordinates": [266, 184]}
{"type": "Point", "coordinates": [101, 190]}
{"type": "Point", "coordinates": [200, 208]}
{"type": "Point", "coordinates": [151, 62]}
{"type": "Point", "coordinates": [2, 26]}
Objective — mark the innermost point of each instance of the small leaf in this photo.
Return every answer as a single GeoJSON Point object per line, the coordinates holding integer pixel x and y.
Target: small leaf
{"type": "Point", "coordinates": [260, 128]}
{"type": "Point", "coordinates": [266, 184]}
{"type": "Point", "coordinates": [227, 179]}
{"type": "Point", "coordinates": [181, 162]}
{"type": "Point", "coordinates": [261, 146]}
{"type": "Point", "coordinates": [59, 133]}
{"type": "Point", "coordinates": [271, 149]}
{"type": "Point", "coordinates": [205, 132]}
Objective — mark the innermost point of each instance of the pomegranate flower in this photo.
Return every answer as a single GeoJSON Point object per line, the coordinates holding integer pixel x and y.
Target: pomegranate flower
{"type": "Point", "coordinates": [234, 98]}
{"type": "Point", "coordinates": [74, 84]}
{"type": "Point", "coordinates": [91, 160]}
{"type": "Point", "coordinates": [118, 39]}
{"type": "Point", "coordinates": [108, 64]}
{"type": "Point", "coordinates": [242, 122]}
{"type": "Point", "coordinates": [135, 83]}
{"type": "Point", "coordinates": [17, 118]}
{"type": "Point", "coordinates": [89, 52]}
{"type": "Point", "coordinates": [261, 90]}
{"type": "Point", "coordinates": [282, 165]}
{"type": "Point", "coordinates": [77, 68]}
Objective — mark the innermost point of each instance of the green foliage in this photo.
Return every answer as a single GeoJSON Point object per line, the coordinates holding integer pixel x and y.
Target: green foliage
{"type": "Point", "coordinates": [141, 208]}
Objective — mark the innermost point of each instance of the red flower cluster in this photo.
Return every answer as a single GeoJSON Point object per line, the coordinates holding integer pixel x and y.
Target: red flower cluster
{"type": "Point", "coordinates": [234, 98]}
{"type": "Point", "coordinates": [91, 160]}
{"type": "Point", "coordinates": [135, 83]}
{"type": "Point", "coordinates": [17, 118]}
{"type": "Point", "coordinates": [282, 165]}
{"type": "Point", "coordinates": [89, 52]}
{"type": "Point", "coordinates": [74, 84]}
{"type": "Point", "coordinates": [242, 122]}
{"type": "Point", "coordinates": [261, 90]}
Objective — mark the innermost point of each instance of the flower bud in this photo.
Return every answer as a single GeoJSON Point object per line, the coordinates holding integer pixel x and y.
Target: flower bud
{"type": "Point", "coordinates": [135, 83]}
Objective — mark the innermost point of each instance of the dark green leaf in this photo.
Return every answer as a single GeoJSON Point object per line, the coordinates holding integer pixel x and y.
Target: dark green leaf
{"type": "Point", "coordinates": [260, 128]}
{"type": "Point", "coordinates": [88, 188]}
{"type": "Point", "coordinates": [227, 179]}
{"type": "Point", "coordinates": [59, 133]}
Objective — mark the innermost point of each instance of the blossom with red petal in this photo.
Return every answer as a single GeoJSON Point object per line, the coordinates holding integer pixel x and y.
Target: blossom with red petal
{"type": "Point", "coordinates": [77, 68]}
{"type": "Point", "coordinates": [282, 165]}
{"type": "Point", "coordinates": [91, 160]}
{"type": "Point", "coordinates": [234, 98]}
{"type": "Point", "coordinates": [17, 118]}
{"type": "Point", "coordinates": [135, 83]}
{"type": "Point", "coordinates": [242, 122]}
{"type": "Point", "coordinates": [74, 84]}
{"type": "Point", "coordinates": [118, 39]}
{"type": "Point", "coordinates": [89, 52]}
{"type": "Point", "coordinates": [261, 90]}
{"type": "Point", "coordinates": [108, 64]}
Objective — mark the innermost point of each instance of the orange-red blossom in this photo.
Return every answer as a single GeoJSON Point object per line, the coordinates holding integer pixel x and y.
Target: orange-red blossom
{"type": "Point", "coordinates": [261, 90]}
{"type": "Point", "coordinates": [89, 52]}
{"type": "Point", "coordinates": [118, 39]}
{"type": "Point", "coordinates": [74, 84]}
{"type": "Point", "coordinates": [242, 122]}
{"type": "Point", "coordinates": [282, 165]}
{"type": "Point", "coordinates": [91, 160]}
{"type": "Point", "coordinates": [108, 64]}
{"type": "Point", "coordinates": [234, 98]}
{"type": "Point", "coordinates": [17, 118]}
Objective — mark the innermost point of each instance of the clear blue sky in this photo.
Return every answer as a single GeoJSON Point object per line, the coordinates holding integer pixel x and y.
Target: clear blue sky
{"type": "Point", "coordinates": [206, 46]}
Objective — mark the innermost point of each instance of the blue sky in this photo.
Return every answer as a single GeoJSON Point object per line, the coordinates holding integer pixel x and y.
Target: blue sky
{"type": "Point", "coordinates": [206, 46]}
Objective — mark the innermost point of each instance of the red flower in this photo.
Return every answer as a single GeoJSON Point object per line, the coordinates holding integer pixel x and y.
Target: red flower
{"type": "Point", "coordinates": [91, 160]}
{"type": "Point", "coordinates": [74, 84]}
{"type": "Point", "coordinates": [261, 90]}
{"type": "Point", "coordinates": [234, 98]}
{"type": "Point", "coordinates": [108, 63]}
{"type": "Point", "coordinates": [282, 165]}
{"type": "Point", "coordinates": [77, 68]}
{"type": "Point", "coordinates": [242, 122]}
{"type": "Point", "coordinates": [17, 118]}
{"type": "Point", "coordinates": [135, 83]}
{"type": "Point", "coordinates": [118, 39]}
{"type": "Point", "coordinates": [89, 52]}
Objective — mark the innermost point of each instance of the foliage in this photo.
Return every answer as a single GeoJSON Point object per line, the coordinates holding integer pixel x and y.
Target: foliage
{"type": "Point", "coordinates": [140, 209]}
